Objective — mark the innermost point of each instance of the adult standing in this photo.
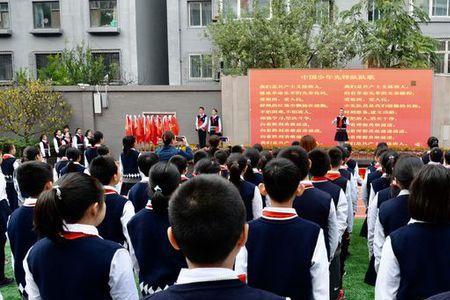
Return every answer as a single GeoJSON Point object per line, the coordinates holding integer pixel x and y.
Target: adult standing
{"type": "Point", "coordinates": [341, 122]}
{"type": "Point", "coordinates": [201, 125]}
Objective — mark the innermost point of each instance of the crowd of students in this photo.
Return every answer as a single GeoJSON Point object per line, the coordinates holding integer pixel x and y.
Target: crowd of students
{"type": "Point", "coordinates": [233, 223]}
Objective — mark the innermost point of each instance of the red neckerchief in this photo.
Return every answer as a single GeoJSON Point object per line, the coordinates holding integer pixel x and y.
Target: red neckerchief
{"type": "Point", "coordinates": [110, 191]}
{"type": "Point", "coordinates": [377, 165]}
{"type": "Point", "coordinates": [7, 155]}
{"type": "Point", "coordinates": [149, 206]}
{"type": "Point", "coordinates": [184, 178]}
{"type": "Point", "coordinates": [333, 176]}
{"type": "Point", "coordinates": [243, 278]}
{"type": "Point", "coordinates": [277, 215]}
{"type": "Point", "coordinates": [75, 235]}
{"type": "Point", "coordinates": [317, 178]}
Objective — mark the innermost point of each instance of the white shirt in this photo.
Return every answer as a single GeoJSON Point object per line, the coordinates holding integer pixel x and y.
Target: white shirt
{"type": "Point", "coordinates": [44, 152]}
{"type": "Point", "coordinates": [121, 278]}
{"type": "Point", "coordinates": [187, 276]}
{"type": "Point", "coordinates": [319, 269]}
{"type": "Point", "coordinates": [55, 144]}
{"type": "Point", "coordinates": [342, 213]}
{"type": "Point", "coordinates": [3, 195]}
{"type": "Point", "coordinates": [378, 236]}
{"type": "Point", "coordinates": [257, 206]}
{"type": "Point", "coordinates": [219, 127]}
{"type": "Point", "coordinates": [388, 279]}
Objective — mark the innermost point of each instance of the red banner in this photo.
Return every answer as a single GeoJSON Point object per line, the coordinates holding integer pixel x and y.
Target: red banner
{"type": "Point", "coordinates": [381, 105]}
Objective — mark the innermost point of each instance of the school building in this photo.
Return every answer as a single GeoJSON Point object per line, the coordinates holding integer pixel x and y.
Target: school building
{"type": "Point", "coordinates": [155, 42]}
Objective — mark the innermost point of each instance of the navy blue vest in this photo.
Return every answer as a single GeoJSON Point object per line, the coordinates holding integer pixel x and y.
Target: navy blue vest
{"type": "Point", "coordinates": [280, 254]}
{"type": "Point", "coordinates": [21, 238]}
{"type": "Point", "coordinates": [371, 168]}
{"type": "Point", "coordinates": [138, 195]}
{"type": "Point", "coordinates": [314, 205]}
{"type": "Point", "coordinates": [130, 164]}
{"type": "Point", "coordinates": [351, 164]}
{"type": "Point", "coordinates": [78, 168]}
{"type": "Point", "coordinates": [111, 227]}
{"type": "Point", "coordinates": [159, 262]}
{"type": "Point", "coordinates": [394, 214]}
{"type": "Point", "coordinates": [346, 174]}
{"type": "Point", "coordinates": [380, 184]}
{"type": "Point", "coordinates": [90, 154]}
{"type": "Point", "coordinates": [371, 177]}
{"type": "Point", "coordinates": [8, 171]}
{"type": "Point", "coordinates": [80, 142]}
{"type": "Point", "coordinates": [247, 191]}
{"type": "Point", "coordinates": [255, 178]}
{"type": "Point", "coordinates": [330, 188]}
{"type": "Point", "coordinates": [426, 158]}
{"type": "Point", "coordinates": [387, 194]}
{"type": "Point", "coordinates": [422, 251]}
{"type": "Point", "coordinates": [72, 270]}
{"type": "Point", "coordinates": [341, 182]}
{"type": "Point", "coordinates": [217, 290]}
{"type": "Point", "coordinates": [60, 165]}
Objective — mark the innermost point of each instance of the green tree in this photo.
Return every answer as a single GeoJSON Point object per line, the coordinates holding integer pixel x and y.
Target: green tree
{"type": "Point", "coordinates": [79, 65]}
{"type": "Point", "coordinates": [294, 34]}
{"type": "Point", "coordinates": [31, 109]}
{"type": "Point", "coordinates": [395, 39]}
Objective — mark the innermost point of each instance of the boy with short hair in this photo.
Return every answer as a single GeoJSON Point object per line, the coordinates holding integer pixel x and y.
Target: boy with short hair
{"type": "Point", "coordinates": [119, 210]}
{"type": "Point", "coordinates": [284, 253]}
{"type": "Point", "coordinates": [33, 177]}
{"type": "Point", "coordinates": [207, 220]}
{"type": "Point", "coordinates": [182, 164]}
{"type": "Point", "coordinates": [221, 157]}
{"type": "Point", "coordinates": [138, 194]}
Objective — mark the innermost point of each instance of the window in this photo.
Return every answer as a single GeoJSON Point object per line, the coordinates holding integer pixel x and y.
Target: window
{"type": "Point", "coordinates": [103, 13]}
{"type": "Point", "coordinates": [200, 66]}
{"type": "Point", "coordinates": [46, 15]}
{"type": "Point", "coordinates": [199, 13]}
{"type": "Point", "coordinates": [4, 16]}
{"type": "Point", "coordinates": [42, 61]}
{"type": "Point", "coordinates": [6, 69]}
{"type": "Point", "coordinates": [111, 61]}
{"type": "Point", "coordinates": [443, 53]}
{"type": "Point", "coordinates": [245, 8]}
{"type": "Point", "coordinates": [372, 11]}
{"type": "Point", "coordinates": [440, 8]}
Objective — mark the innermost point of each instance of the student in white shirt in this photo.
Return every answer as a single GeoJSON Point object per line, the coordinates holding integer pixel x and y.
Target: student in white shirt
{"type": "Point", "coordinates": [72, 261]}
{"type": "Point", "coordinates": [415, 260]}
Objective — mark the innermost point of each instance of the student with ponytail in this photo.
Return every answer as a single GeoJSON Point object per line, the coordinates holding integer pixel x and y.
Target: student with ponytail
{"type": "Point", "coordinates": [157, 263]}
{"type": "Point", "coordinates": [74, 157]}
{"type": "Point", "coordinates": [72, 261]}
{"type": "Point", "coordinates": [237, 165]}
{"type": "Point", "coordinates": [253, 174]}
{"type": "Point", "coordinates": [129, 165]}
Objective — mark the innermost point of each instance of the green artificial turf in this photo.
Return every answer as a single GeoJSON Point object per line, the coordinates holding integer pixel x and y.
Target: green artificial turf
{"type": "Point", "coordinates": [355, 288]}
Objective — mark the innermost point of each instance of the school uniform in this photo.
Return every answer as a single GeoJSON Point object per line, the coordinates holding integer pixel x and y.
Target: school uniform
{"type": "Point", "coordinates": [59, 166]}
{"type": "Point", "coordinates": [58, 141]}
{"type": "Point", "coordinates": [44, 149]}
{"type": "Point", "coordinates": [337, 178]}
{"type": "Point", "coordinates": [224, 171]}
{"type": "Point", "coordinates": [84, 266]}
{"type": "Point", "coordinates": [341, 204]}
{"type": "Point", "coordinates": [139, 194]}
{"type": "Point", "coordinates": [215, 125]}
{"type": "Point", "coordinates": [156, 261]}
{"type": "Point", "coordinates": [211, 283]}
{"type": "Point", "coordinates": [341, 123]}
{"type": "Point", "coordinates": [184, 178]}
{"type": "Point", "coordinates": [415, 262]}
{"type": "Point", "coordinates": [285, 255]}
{"type": "Point", "coordinates": [317, 206]}
{"type": "Point", "coordinates": [21, 237]}
{"type": "Point", "coordinates": [90, 154]}
{"type": "Point", "coordinates": [375, 173]}
{"type": "Point", "coordinates": [119, 211]}
{"type": "Point", "coordinates": [5, 211]}
{"type": "Point", "coordinates": [256, 177]}
{"type": "Point", "coordinates": [426, 157]}
{"type": "Point", "coordinates": [9, 167]}
{"type": "Point", "coordinates": [201, 126]}
{"type": "Point", "coordinates": [252, 199]}
{"type": "Point", "coordinates": [130, 170]}
{"type": "Point", "coordinates": [392, 215]}
{"type": "Point", "coordinates": [81, 143]}
{"type": "Point", "coordinates": [78, 168]}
